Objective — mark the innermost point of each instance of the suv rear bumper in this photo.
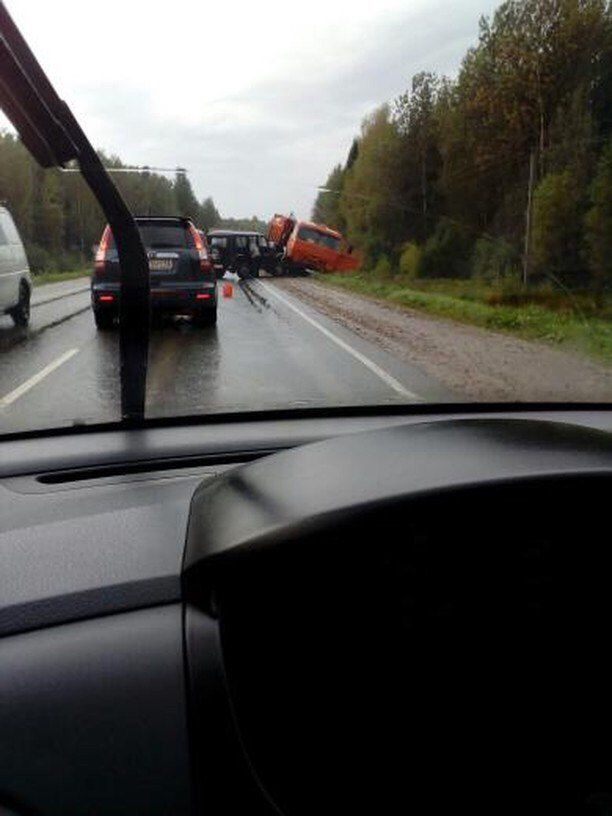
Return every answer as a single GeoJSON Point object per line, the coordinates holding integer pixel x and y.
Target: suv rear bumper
{"type": "Point", "coordinates": [184, 297]}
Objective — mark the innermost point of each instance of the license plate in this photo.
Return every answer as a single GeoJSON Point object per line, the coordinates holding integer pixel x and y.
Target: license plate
{"type": "Point", "coordinates": [161, 264]}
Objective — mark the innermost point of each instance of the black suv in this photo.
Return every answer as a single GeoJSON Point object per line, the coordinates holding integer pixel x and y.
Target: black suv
{"type": "Point", "coordinates": [183, 280]}
{"type": "Point", "coordinates": [244, 253]}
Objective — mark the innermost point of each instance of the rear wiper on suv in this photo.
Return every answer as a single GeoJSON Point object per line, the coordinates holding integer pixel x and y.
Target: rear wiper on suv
{"type": "Point", "coordinates": [53, 136]}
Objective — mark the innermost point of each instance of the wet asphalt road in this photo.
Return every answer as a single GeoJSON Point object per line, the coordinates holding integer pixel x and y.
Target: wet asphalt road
{"type": "Point", "coordinates": [268, 351]}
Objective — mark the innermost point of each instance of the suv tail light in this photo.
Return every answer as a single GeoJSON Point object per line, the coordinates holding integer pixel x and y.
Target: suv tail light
{"type": "Point", "coordinates": [200, 246]}
{"type": "Point", "coordinates": [102, 247]}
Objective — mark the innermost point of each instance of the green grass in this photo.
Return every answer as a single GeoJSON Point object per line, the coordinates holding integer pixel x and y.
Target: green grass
{"type": "Point", "coordinates": [466, 301]}
{"type": "Point", "coordinates": [55, 277]}
{"type": "Point", "coordinates": [553, 298]}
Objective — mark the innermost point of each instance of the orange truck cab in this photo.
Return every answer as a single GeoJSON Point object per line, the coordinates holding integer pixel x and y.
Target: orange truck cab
{"type": "Point", "coordinates": [306, 245]}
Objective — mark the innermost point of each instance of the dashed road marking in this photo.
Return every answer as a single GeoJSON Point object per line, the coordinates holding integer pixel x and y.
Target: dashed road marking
{"type": "Point", "coordinates": [34, 380]}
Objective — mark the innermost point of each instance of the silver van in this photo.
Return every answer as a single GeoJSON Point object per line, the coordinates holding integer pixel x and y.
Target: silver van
{"type": "Point", "coordinates": [15, 280]}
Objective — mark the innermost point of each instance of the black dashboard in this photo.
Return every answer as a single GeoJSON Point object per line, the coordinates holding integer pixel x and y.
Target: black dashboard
{"type": "Point", "coordinates": [302, 615]}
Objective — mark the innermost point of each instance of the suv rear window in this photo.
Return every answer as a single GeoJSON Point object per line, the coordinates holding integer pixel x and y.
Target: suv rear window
{"type": "Point", "coordinates": [161, 236]}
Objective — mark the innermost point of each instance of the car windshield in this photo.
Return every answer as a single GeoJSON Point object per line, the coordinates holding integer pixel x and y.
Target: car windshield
{"type": "Point", "coordinates": [461, 151]}
{"type": "Point", "coordinates": [314, 236]}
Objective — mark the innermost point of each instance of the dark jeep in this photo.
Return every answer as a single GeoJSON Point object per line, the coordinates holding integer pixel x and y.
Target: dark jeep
{"type": "Point", "coordinates": [244, 253]}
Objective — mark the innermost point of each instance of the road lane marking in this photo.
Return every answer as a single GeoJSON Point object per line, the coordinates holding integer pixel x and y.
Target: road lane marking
{"type": "Point", "coordinates": [28, 384]}
{"type": "Point", "coordinates": [370, 364]}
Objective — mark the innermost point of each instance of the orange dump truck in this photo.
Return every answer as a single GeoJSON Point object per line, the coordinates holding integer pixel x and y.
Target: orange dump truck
{"type": "Point", "coordinates": [303, 245]}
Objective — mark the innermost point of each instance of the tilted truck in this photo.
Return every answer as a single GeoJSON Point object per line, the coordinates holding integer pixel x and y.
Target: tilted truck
{"type": "Point", "coordinates": [302, 245]}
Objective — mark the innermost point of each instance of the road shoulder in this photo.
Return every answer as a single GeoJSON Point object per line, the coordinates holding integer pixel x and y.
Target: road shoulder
{"type": "Point", "coordinates": [472, 362]}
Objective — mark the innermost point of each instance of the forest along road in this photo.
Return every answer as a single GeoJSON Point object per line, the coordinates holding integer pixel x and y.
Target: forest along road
{"type": "Point", "coordinates": [279, 343]}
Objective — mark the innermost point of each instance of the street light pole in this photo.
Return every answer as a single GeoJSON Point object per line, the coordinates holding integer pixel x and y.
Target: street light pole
{"type": "Point", "coordinates": [528, 218]}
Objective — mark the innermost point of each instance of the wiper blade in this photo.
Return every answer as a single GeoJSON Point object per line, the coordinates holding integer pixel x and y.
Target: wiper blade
{"type": "Point", "coordinates": [53, 136]}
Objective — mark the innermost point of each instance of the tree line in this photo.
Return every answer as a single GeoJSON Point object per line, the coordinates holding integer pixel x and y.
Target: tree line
{"type": "Point", "coordinates": [504, 172]}
{"type": "Point", "coordinates": [253, 224]}
{"type": "Point", "coordinates": [59, 219]}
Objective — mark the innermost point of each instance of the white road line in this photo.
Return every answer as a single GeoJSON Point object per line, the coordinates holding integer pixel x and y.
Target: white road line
{"type": "Point", "coordinates": [370, 364]}
{"type": "Point", "coordinates": [25, 387]}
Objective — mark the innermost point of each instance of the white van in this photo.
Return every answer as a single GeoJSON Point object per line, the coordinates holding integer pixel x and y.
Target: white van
{"type": "Point", "coordinates": [15, 280]}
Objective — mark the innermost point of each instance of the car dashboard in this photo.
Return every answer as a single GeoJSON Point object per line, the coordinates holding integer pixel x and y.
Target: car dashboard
{"type": "Point", "coordinates": [287, 615]}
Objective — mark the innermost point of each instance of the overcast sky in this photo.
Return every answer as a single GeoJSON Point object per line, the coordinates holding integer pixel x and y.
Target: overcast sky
{"type": "Point", "coordinates": [257, 100]}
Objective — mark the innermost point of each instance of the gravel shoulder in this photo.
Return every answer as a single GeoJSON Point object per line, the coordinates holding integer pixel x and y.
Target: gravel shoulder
{"type": "Point", "coordinates": [473, 363]}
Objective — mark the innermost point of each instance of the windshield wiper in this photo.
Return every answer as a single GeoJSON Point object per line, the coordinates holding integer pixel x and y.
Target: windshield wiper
{"type": "Point", "coordinates": [53, 136]}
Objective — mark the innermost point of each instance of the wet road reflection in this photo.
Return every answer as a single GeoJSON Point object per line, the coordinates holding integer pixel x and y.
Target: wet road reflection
{"type": "Point", "coordinates": [255, 298]}
{"type": "Point", "coordinates": [260, 356]}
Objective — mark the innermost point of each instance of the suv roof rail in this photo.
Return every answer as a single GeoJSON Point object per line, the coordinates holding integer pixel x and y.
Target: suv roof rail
{"type": "Point", "coordinates": [164, 217]}
{"type": "Point", "coordinates": [234, 232]}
